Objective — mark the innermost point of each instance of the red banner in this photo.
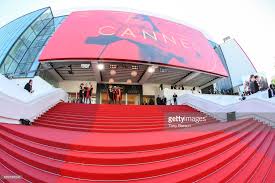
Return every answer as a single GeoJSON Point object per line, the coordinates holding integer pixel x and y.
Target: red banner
{"type": "Point", "coordinates": [124, 36]}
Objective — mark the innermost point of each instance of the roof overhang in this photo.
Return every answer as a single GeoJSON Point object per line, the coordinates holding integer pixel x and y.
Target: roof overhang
{"type": "Point", "coordinates": [122, 72]}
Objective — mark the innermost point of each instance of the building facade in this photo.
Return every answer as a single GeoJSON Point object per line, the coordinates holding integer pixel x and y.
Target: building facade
{"type": "Point", "coordinates": [23, 40]}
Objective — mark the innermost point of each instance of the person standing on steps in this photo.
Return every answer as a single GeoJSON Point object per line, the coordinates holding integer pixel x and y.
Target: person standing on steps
{"type": "Point", "coordinates": [81, 92]}
{"type": "Point", "coordinates": [111, 94]}
{"type": "Point", "coordinates": [90, 93]}
{"type": "Point", "coordinates": [28, 86]}
{"type": "Point", "coordinates": [175, 96]}
{"type": "Point", "coordinates": [161, 87]}
{"type": "Point", "coordinates": [256, 84]}
{"type": "Point", "coordinates": [151, 101]}
{"type": "Point", "coordinates": [114, 94]}
{"type": "Point", "coordinates": [271, 91]}
{"type": "Point", "coordinates": [252, 84]}
{"type": "Point", "coordinates": [164, 101]}
{"type": "Point", "coordinates": [119, 94]}
{"type": "Point", "coordinates": [85, 93]}
{"type": "Point", "coordinates": [158, 100]}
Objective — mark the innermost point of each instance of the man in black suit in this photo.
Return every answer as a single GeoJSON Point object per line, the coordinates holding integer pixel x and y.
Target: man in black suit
{"type": "Point", "coordinates": [28, 86]}
{"type": "Point", "coordinates": [271, 92]}
{"type": "Point", "coordinates": [158, 100]}
{"type": "Point", "coordinates": [164, 101]}
{"type": "Point", "coordinates": [111, 94]}
{"type": "Point", "coordinates": [175, 96]}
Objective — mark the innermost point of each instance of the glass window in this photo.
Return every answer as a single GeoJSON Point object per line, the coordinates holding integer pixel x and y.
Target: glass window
{"type": "Point", "coordinates": [24, 54]}
{"type": "Point", "coordinates": [26, 57]}
{"type": "Point", "coordinates": [6, 64]}
{"type": "Point", "coordinates": [26, 67]}
{"type": "Point", "coordinates": [28, 39]}
{"type": "Point", "coordinates": [28, 32]}
{"type": "Point", "coordinates": [37, 26]}
{"type": "Point", "coordinates": [12, 67]}
{"type": "Point", "coordinates": [19, 68]}
{"type": "Point", "coordinates": [33, 68]}
{"type": "Point", "coordinates": [9, 33]}
{"type": "Point", "coordinates": [2, 70]}
{"type": "Point", "coordinates": [23, 68]}
{"type": "Point", "coordinates": [18, 50]}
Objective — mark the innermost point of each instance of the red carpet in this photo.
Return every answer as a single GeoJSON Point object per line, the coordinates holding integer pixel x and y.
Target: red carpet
{"type": "Point", "coordinates": [104, 143]}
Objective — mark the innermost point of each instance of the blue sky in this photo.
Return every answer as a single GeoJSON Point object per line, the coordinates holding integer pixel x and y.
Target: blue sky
{"type": "Point", "coordinates": [250, 22]}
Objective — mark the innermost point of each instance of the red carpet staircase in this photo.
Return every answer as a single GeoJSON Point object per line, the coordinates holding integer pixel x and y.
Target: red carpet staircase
{"type": "Point", "coordinates": [106, 143]}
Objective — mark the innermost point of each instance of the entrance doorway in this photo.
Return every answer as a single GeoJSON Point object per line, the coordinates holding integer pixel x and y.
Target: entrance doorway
{"type": "Point", "coordinates": [131, 94]}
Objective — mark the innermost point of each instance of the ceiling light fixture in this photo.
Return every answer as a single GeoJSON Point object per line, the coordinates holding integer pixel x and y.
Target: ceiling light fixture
{"type": "Point", "coordinates": [151, 69]}
{"type": "Point", "coordinates": [129, 81]}
{"type": "Point", "coordinates": [112, 72]}
{"type": "Point", "coordinates": [134, 73]}
{"type": "Point", "coordinates": [100, 67]}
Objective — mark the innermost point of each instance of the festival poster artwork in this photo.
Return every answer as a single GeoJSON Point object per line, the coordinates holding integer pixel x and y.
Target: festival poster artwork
{"type": "Point", "coordinates": [124, 36]}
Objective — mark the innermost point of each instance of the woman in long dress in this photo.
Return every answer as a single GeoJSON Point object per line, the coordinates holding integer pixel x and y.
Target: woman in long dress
{"type": "Point", "coordinates": [86, 93]}
{"type": "Point", "coordinates": [117, 94]}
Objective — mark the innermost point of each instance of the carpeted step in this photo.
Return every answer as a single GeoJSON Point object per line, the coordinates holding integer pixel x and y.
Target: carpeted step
{"type": "Point", "coordinates": [124, 142]}
{"type": "Point", "coordinates": [111, 120]}
{"type": "Point", "coordinates": [124, 158]}
{"type": "Point", "coordinates": [208, 167]}
{"type": "Point", "coordinates": [101, 130]}
{"type": "Point", "coordinates": [140, 170]}
{"type": "Point", "coordinates": [8, 176]}
{"type": "Point", "coordinates": [76, 143]}
{"type": "Point", "coordinates": [83, 118]}
{"type": "Point", "coordinates": [263, 169]}
{"type": "Point", "coordinates": [104, 125]}
{"type": "Point", "coordinates": [33, 174]}
{"type": "Point", "coordinates": [255, 161]}
{"type": "Point", "coordinates": [243, 165]}
{"type": "Point", "coordinates": [270, 174]}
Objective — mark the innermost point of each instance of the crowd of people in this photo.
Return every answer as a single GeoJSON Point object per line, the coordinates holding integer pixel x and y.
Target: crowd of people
{"type": "Point", "coordinates": [115, 94]}
{"type": "Point", "coordinates": [255, 84]}
{"type": "Point", "coordinates": [175, 87]}
{"type": "Point", "coordinates": [161, 101]}
{"type": "Point", "coordinates": [85, 93]}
